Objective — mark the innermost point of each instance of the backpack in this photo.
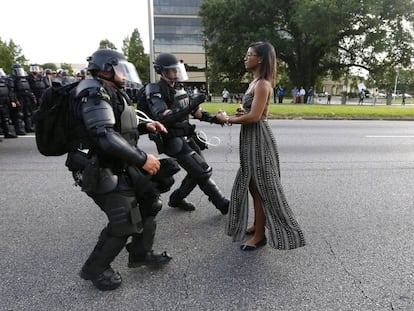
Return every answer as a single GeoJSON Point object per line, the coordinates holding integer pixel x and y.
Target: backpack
{"type": "Point", "coordinates": [51, 120]}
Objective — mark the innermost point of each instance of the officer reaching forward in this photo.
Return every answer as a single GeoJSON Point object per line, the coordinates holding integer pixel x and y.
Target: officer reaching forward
{"type": "Point", "coordinates": [124, 181]}
{"type": "Point", "coordinates": [169, 103]}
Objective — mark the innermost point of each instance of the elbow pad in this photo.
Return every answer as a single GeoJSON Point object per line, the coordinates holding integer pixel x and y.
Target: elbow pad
{"type": "Point", "coordinates": [97, 113]}
{"type": "Point", "coordinates": [156, 104]}
{"type": "Point", "coordinates": [96, 110]}
{"type": "Point", "coordinates": [114, 144]}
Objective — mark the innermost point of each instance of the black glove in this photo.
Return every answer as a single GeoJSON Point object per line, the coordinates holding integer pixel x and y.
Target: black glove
{"type": "Point", "coordinates": [196, 101]}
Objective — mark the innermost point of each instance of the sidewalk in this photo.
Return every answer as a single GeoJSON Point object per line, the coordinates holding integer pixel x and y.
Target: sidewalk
{"type": "Point", "coordinates": [336, 100]}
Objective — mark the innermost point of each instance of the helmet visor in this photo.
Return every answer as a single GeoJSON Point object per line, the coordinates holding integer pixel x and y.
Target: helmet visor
{"type": "Point", "coordinates": [127, 70]}
{"type": "Point", "coordinates": [176, 72]}
{"type": "Point", "coordinates": [20, 72]}
{"type": "Point", "coordinates": [34, 68]}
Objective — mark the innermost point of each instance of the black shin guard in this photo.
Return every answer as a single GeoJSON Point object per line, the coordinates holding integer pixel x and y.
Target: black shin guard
{"type": "Point", "coordinates": [105, 251]}
{"type": "Point", "coordinates": [214, 194]}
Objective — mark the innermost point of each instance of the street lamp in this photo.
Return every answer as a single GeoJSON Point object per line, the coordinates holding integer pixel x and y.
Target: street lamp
{"type": "Point", "coordinates": [396, 82]}
{"type": "Point", "coordinates": [151, 39]}
{"type": "Point", "coordinates": [206, 64]}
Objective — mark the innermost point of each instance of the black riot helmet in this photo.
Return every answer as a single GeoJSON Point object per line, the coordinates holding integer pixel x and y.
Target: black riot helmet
{"type": "Point", "coordinates": [165, 63]}
{"type": "Point", "coordinates": [18, 70]}
{"type": "Point", "coordinates": [114, 62]}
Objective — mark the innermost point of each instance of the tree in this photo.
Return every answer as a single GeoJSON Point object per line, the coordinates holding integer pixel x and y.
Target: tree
{"type": "Point", "coordinates": [106, 44]}
{"type": "Point", "coordinates": [10, 53]}
{"type": "Point", "coordinates": [51, 66]}
{"type": "Point", "coordinates": [313, 38]}
{"type": "Point", "coordinates": [67, 67]}
{"type": "Point", "coordinates": [133, 49]}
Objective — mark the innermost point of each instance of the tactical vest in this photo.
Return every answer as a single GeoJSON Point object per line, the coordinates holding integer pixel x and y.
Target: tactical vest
{"type": "Point", "coordinates": [181, 101]}
{"type": "Point", "coordinates": [4, 89]}
{"type": "Point", "coordinates": [21, 85]}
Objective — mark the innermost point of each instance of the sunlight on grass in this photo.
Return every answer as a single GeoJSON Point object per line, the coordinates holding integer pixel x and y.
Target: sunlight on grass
{"type": "Point", "coordinates": [298, 111]}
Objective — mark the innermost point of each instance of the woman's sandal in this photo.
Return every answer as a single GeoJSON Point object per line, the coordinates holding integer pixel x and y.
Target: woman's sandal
{"type": "Point", "coordinates": [247, 247]}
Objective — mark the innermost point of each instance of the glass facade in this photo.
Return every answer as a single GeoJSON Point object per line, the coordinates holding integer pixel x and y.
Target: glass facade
{"type": "Point", "coordinates": [176, 7]}
{"type": "Point", "coordinates": [178, 30]}
{"type": "Point", "coordinates": [178, 35]}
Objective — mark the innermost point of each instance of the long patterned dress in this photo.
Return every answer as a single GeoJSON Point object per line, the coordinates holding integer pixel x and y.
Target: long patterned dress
{"type": "Point", "coordinates": [259, 161]}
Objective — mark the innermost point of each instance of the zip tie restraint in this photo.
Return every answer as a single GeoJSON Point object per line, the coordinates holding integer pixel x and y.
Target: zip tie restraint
{"type": "Point", "coordinates": [142, 116]}
{"type": "Point", "coordinates": [203, 137]}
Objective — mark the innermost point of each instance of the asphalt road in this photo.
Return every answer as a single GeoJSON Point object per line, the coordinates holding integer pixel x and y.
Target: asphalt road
{"type": "Point", "coordinates": [348, 182]}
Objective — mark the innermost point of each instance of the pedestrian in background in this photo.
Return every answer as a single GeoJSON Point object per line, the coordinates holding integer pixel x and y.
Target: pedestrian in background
{"type": "Point", "coordinates": [374, 97]}
{"type": "Point", "coordinates": [311, 95]}
{"type": "Point", "coordinates": [225, 95]}
{"type": "Point", "coordinates": [281, 94]}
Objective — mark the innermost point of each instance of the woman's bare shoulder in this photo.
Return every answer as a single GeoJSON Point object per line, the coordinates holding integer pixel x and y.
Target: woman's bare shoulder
{"type": "Point", "coordinates": [263, 84]}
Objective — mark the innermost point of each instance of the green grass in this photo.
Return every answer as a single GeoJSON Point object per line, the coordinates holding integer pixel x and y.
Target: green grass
{"type": "Point", "coordinates": [315, 111]}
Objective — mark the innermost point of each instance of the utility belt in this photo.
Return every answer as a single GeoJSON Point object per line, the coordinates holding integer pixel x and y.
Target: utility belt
{"type": "Point", "coordinates": [181, 129]}
{"type": "Point", "coordinates": [88, 173]}
{"type": "Point", "coordinates": [93, 176]}
{"type": "Point", "coordinates": [184, 129]}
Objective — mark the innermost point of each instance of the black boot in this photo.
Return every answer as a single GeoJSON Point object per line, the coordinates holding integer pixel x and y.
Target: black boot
{"type": "Point", "coordinates": [177, 198]}
{"type": "Point", "coordinates": [98, 266]}
{"type": "Point", "coordinates": [140, 248]}
{"type": "Point", "coordinates": [28, 125]}
{"type": "Point", "coordinates": [106, 280]}
{"type": "Point", "coordinates": [182, 204]}
{"type": "Point", "coordinates": [6, 129]}
{"type": "Point", "coordinates": [18, 128]}
{"type": "Point", "coordinates": [150, 259]}
{"type": "Point", "coordinates": [210, 188]}
{"type": "Point", "coordinates": [10, 135]}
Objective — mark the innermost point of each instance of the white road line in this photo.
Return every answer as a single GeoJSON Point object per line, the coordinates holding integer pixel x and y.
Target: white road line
{"type": "Point", "coordinates": [390, 136]}
{"type": "Point", "coordinates": [22, 136]}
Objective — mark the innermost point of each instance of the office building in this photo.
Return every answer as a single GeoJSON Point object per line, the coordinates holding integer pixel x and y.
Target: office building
{"type": "Point", "coordinates": [178, 30]}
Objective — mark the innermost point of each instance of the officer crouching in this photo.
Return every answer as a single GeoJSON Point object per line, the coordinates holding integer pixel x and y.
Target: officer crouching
{"type": "Point", "coordinates": [123, 180]}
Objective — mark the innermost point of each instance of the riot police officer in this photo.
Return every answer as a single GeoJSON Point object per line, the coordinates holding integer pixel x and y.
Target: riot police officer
{"type": "Point", "coordinates": [26, 98]}
{"type": "Point", "coordinates": [48, 77]}
{"type": "Point", "coordinates": [124, 181]}
{"type": "Point", "coordinates": [169, 103]}
{"type": "Point", "coordinates": [6, 99]}
{"type": "Point", "coordinates": [37, 81]}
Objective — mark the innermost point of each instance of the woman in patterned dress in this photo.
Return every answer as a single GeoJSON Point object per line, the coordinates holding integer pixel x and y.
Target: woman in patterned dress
{"type": "Point", "coordinates": [259, 171]}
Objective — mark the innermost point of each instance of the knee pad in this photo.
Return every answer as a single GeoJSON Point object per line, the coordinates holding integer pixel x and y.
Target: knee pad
{"type": "Point", "coordinates": [123, 215]}
{"type": "Point", "coordinates": [150, 208]}
{"type": "Point", "coordinates": [194, 164]}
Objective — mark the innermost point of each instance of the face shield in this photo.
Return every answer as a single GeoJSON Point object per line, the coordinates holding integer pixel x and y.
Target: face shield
{"type": "Point", "coordinates": [127, 71]}
{"type": "Point", "coordinates": [19, 72]}
{"type": "Point", "coordinates": [34, 68]}
{"type": "Point", "coordinates": [176, 72]}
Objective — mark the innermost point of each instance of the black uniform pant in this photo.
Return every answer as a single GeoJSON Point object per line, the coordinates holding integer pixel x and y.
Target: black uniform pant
{"type": "Point", "coordinates": [26, 106]}
{"type": "Point", "coordinates": [4, 116]}
{"type": "Point", "coordinates": [191, 159]}
{"type": "Point", "coordinates": [124, 221]}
